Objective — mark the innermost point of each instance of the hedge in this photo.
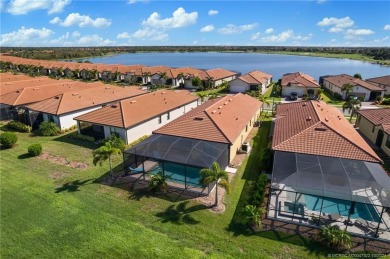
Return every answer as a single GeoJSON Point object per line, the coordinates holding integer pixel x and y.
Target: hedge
{"type": "Point", "coordinates": [8, 139]}
{"type": "Point", "coordinates": [259, 190]}
{"type": "Point", "coordinates": [83, 137]}
{"type": "Point", "coordinates": [18, 126]}
{"type": "Point", "coordinates": [48, 128]}
{"type": "Point", "coordinates": [35, 149]}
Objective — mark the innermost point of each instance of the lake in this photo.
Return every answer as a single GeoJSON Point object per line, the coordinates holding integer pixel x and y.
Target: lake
{"type": "Point", "coordinates": [274, 64]}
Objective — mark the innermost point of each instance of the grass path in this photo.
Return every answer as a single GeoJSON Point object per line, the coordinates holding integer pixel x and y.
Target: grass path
{"type": "Point", "coordinates": [54, 211]}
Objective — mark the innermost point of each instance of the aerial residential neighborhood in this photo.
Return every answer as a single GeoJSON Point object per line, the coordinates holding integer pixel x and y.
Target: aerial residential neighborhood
{"type": "Point", "coordinates": [169, 129]}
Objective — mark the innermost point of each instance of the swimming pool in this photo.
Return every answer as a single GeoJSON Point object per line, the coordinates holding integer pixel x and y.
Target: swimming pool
{"type": "Point", "coordinates": [341, 207]}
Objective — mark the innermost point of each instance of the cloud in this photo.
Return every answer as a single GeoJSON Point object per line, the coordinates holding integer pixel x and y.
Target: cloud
{"type": "Point", "coordinates": [256, 36]}
{"type": "Point", "coordinates": [137, 1]}
{"type": "Point", "coordinates": [207, 28]}
{"type": "Point", "coordinates": [382, 40]}
{"type": "Point", "coordinates": [25, 37]}
{"type": "Point", "coordinates": [76, 34]}
{"type": "Point", "coordinates": [82, 21]}
{"type": "Point", "coordinates": [282, 37]}
{"type": "Point", "coordinates": [145, 34]}
{"type": "Point", "coordinates": [94, 40]}
{"type": "Point", "coordinates": [123, 35]}
{"type": "Point", "coordinates": [337, 23]}
{"type": "Point", "coordinates": [179, 19]}
{"type": "Point", "coordinates": [234, 29]}
{"type": "Point", "coordinates": [17, 7]}
{"type": "Point", "coordinates": [387, 27]}
{"type": "Point", "coordinates": [321, 1]}
{"type": "Point", "coordinates": [269, 30]}
{"type": "Point", "coordinates": [359, 32]}
{"type": "Point", "coordinates": [213, 12]}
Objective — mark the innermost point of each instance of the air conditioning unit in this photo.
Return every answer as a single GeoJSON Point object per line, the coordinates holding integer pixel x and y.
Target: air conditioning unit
{"type": "Point", "coordinates": [245, 147]}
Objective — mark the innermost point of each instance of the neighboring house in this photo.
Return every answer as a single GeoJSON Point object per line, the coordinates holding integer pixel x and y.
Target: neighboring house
{"type": "Point", "coordinates": [212, 132]}
{"type": "Point", "coordinates": [375, 125]}
{"type": "Point", "coordinates": [63, 108]}
{"type": "Point", "coordinates": [135, 117]}
{"type": "Point", "coordinates": [382, 82]}
{"type": "Point", "coordinates": [220, 75]}
{"type": "Point", "coordinates": [299, 83]}
{"type": "Point", "coordinates": [252, 81]}
{"type": "Point", "coordinates": [183, 76]}
{"type": "Point", "coordinates": [366, 91]}
{"type": "Point", "coordinates": [325, 173]}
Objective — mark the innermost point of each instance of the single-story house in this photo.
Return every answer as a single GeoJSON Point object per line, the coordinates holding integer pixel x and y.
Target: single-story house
{"type": "Point", "coordinates": [365, 90]}
{"type": "Point", "coordinates": [375, 125]}
{"type": "Point", "coordinates": [220, 75]}
{"type": "Point", "coordinates": [138, 116]}
{"type": "Point", "coordinates": [212, 132]}
{"type": "Point", "coordinates": [63, 108]}
{"type": "Point", "coordinates": [325, 173]}
{"type": "Point", "coordinates": [382, 82]}
{"type": "Point", "coordinates": [252, 81]}
{"type": "Point", "coordinates": [299, 83]}
{"type": "Point", "coordinates": [183, 76]}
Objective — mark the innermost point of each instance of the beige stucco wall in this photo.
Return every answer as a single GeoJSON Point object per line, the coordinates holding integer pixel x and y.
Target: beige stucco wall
{"type": "Point", "coordinates": [243, 135]}
{"type": "Point", "coordinates": [383, 146]}
{"type": "Point", "coordinates": [365, 126]}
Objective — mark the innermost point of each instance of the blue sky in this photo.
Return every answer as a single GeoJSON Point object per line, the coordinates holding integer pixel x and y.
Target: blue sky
{"type": "Point", "coordinates": [148, 22]}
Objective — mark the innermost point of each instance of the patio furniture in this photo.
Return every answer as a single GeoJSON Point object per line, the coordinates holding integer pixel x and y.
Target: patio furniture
{"type": "Point", "coordinates": [369, 226]}
{"type": "Point", "coordinates": [136, 170]}
{"type": "Point", "coordinates": [335, 217]}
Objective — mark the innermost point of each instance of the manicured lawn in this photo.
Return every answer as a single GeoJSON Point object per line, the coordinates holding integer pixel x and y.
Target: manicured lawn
{"type": "Point", "coordinates": [330, 99]}
{"type": "Point", "coordinates": [54, 211]}
{"type": "Point", "coordinates": [270, 96]}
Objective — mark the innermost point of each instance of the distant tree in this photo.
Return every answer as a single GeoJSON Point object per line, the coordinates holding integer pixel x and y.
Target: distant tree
{"type": "Point", "coordinates": [217, 175]}
{"type": "Point", "coordinates": [357, 75]}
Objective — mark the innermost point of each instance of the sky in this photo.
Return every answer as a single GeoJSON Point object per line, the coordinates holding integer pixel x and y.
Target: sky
{"type": "Point", "coordinates": [147, 22]}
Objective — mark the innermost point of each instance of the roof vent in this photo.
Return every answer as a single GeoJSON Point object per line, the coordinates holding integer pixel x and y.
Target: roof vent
{"type": "Point", "coordinates": [220, 107]}
{"type": "Point", "coordinates": [320, 129]}
{"type": "Point", "coordinates": [213, 112]}
{"type": "Point", "coordinates": [326, 119]}
{"type": "Point", "coordinates": [56, 97]}
{"type": "Point", "coordinates": [225, 103]}
{"type": "Point", "coordinates": [114, 106]}
{"type": "Point", "coordinates": [198, 118]}
{"type": "Point", "coordinates": [230, 99]}
{"type": "Point", "coordinates": [8, 83]}
{"type": "Point", "coordinates": [18, 91]}
{"type": "Point", "coordinates": [308, 118]}
{"type": "Point", "coordinates": [133, 101]}
{"type": "Point", "coordinates": [108, 87]}
{"type": "Point", "coordinates": [163, 92]}
{"type": "Point", "coordinates": [74, 94]}
{"type": "Point", "coordinates": [35, 89]}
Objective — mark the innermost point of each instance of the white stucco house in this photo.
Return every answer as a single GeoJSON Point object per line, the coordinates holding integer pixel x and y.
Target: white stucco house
{"type": "Point", "coordinates": [382, 82]}
{"type": "Point", "coordinates": [299, 83]}
{"type": "Point", "coordinates": [252, 81]}
{"type": "Point", "coordinates": [138, 116]}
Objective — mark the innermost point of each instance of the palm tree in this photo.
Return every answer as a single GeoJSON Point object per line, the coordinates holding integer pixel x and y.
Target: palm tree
{"type": "Point", "coordinates": [353, 105]}
{"type": "Point", "coordinates": [182, 77]}
{"type": "Point", "coordinates": [104, 153]}
{"type": "Point", "coordinates": [319, 92]}
{"type": "Point", "coordinates": [202, 96]}
{"type": "Point", "coordinates": [215, 174]}
{"type": "Point", "coordinates": [163, 75]}
{"type": "Point", "coordinates": [145, 76]}
{"type": "Point", "coordinates": [263, 101]}
{"type": "Point", "coordinates": [347, 89]}
{"type": "Point", "coordinates": [209, 82]}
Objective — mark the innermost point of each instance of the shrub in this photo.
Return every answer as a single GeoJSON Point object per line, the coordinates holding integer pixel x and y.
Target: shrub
{"type": "Point", "coordinates": [379, 98]}
{"type": "Point", "coordinates": [337, 96]}
{"type": "Point", "coordinates": [35, 149]}
{"type": "Point", "coordinates": [267, 160]}
{"type": "Point", "coordinates": [196, 81]}
{"type": "Point", "coordinates": [83, 137]}
{"type": "Point", "coordinates": [18, 126]}
{"type": "Point", "coordinates": [116, 141]}
{"type": "Point", "coordinates": [158, 182]}
{"type": "Point", "coordinates": [8, 139]}
{"type": "Point", "coordinates": [48, 128]}
{"type": "Point", "coordinates": [252, 216]}
{"type": "Point", "coordinates": [386, 101]}
{"type": "Point", "coordinates": [259, 190]}
{"type": "Point", "coordinates": [135, 142]}
{"type": "Point", "coordinates": [335, 237]}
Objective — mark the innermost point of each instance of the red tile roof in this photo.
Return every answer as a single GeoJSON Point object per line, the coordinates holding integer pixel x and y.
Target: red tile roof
{"type": "Point", "coordinates": [218, 120]}
{"type": "Point", "coordinates": [255, 77]}
{"type": "Point", "coordinates": [340, 80]}
{"type": "Point", "coordinates": [132, 111]}
{"type": "Point", "coordinates": [386, 128]}
{"type": "Point", "coordinates": [11, 86]}
{"type": "Point", "coordinates": [376, 116]}
{"type": "Point", "coordinates": [313, 127]}
{"type": "Point", "coordinates": [382, 80]}
{"type": "Point", "coordinates": [189, 71]}
{"type": "Point", "coordinates": [219, 73]}
{"type": "Point", "coordinates": [300, 79]}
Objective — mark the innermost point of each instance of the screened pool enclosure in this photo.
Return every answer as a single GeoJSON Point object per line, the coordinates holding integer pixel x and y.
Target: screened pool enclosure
{"type": "Point", "coordinates": [180, 159]}
{"type": "Point", "coordinates": [318, 190]}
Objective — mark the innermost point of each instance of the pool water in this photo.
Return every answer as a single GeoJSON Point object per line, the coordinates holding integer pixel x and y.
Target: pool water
{"type": "Point", "coordinates": [341, 207]}
{"type": "Point", "coordinates": [177, 172]}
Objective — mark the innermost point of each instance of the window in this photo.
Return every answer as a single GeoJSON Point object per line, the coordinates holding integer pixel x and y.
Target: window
{"type": "Point", "coordinates": [159, 119]}
{"type": "Point", "coordinates": [168, 116]}
{"type": "Point", "coordinates": [373, 129]}
{"type": "Point", "coordinates": [388, 141]}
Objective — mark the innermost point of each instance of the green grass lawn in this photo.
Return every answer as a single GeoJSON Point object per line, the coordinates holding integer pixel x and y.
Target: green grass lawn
{"type": "Point", "coordinates": [54, 211]}
{"type": "Point", "coordinates": [330, 99]}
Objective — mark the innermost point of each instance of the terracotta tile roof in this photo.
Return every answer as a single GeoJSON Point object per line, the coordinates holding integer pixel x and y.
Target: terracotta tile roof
{"type": "Point", "coordinates": [300, 79]}
{"type": "Point", "coordinates": [386, 128]}
{"type": "Point", "coordinates": [9, 77]}
{"type": "Point", "coordinates": [382, 80]}
{"type": "Point", "coordinates": [340, 80]}
{"type": "Point", "coordinates": [313, 127]}
{"type": "Point", "coordinates": [8, 87]}
{"type": "Point", "coordinates": [189, 71]}
{"type": "Point", "coordinates": [132, 111]}
{"type": "Point", "coordinates": [85, 98]}
{"type": "Point", "coordinates": [255, 77]}
{"type": "Point", "coordinates": [218, 120]}
{"type": "Point", "coordinates": [30, 95]}
{"type": "Point", "coordinates": [219, 73]}
{"type": "Point", "coordinates": [376, 116]}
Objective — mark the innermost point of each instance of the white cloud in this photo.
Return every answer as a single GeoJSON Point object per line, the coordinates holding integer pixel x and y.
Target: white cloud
{"type": "Point", "coordinates": [213, 12]}
{"type": "Point", "coordinates": [94, 40]}
{"type": "Point", "coordinates": [150, 34]}
{"type": "Point", "coordinates": [335, 29]}
{"type": "Point", "coordinates": [321, 1]}
{"type": "Point", "coordinates": [359, 32]}
{"type": "Point", "coordinates": [137, 1]}
{"type": "Point", "coordinates": [207, 28]}
{"type": "Point", "coordinates": [179, 19]}
{"type": "Point", "coordinates": [82, 21]}
{"type": "Point", "coordinates": [382, 40]}
{"type": "Point", "coordinates": [1, 5]}
{"type": "Point", "coordinates": [17, 7]}
{"type": "Point", "coordinates": [25, 37]}
{"type": "Point", "coordinates": [123, 35]}
{"type": "Point", "coordinates": [282, 37]}
{"type": "Point", "coordinates": [386, 27]}
{"type": "Point", "coordinates": [234, 29]}
{"type": "Point", "coordinates": [269, 30]}
{"type": "Point", "coordinates": [336, 22]}
{"type": "Point", "coordinates": [256, 36]}
{"type": "Point", "coordinates": [76, 34]}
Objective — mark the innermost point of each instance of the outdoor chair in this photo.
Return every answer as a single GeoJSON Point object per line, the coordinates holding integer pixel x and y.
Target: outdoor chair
{"type": "Point", "coordinates": [369, 226]}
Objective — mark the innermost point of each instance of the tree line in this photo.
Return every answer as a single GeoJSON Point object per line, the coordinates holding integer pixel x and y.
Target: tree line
{"type": "Point", "coordinates": [377, 53]}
